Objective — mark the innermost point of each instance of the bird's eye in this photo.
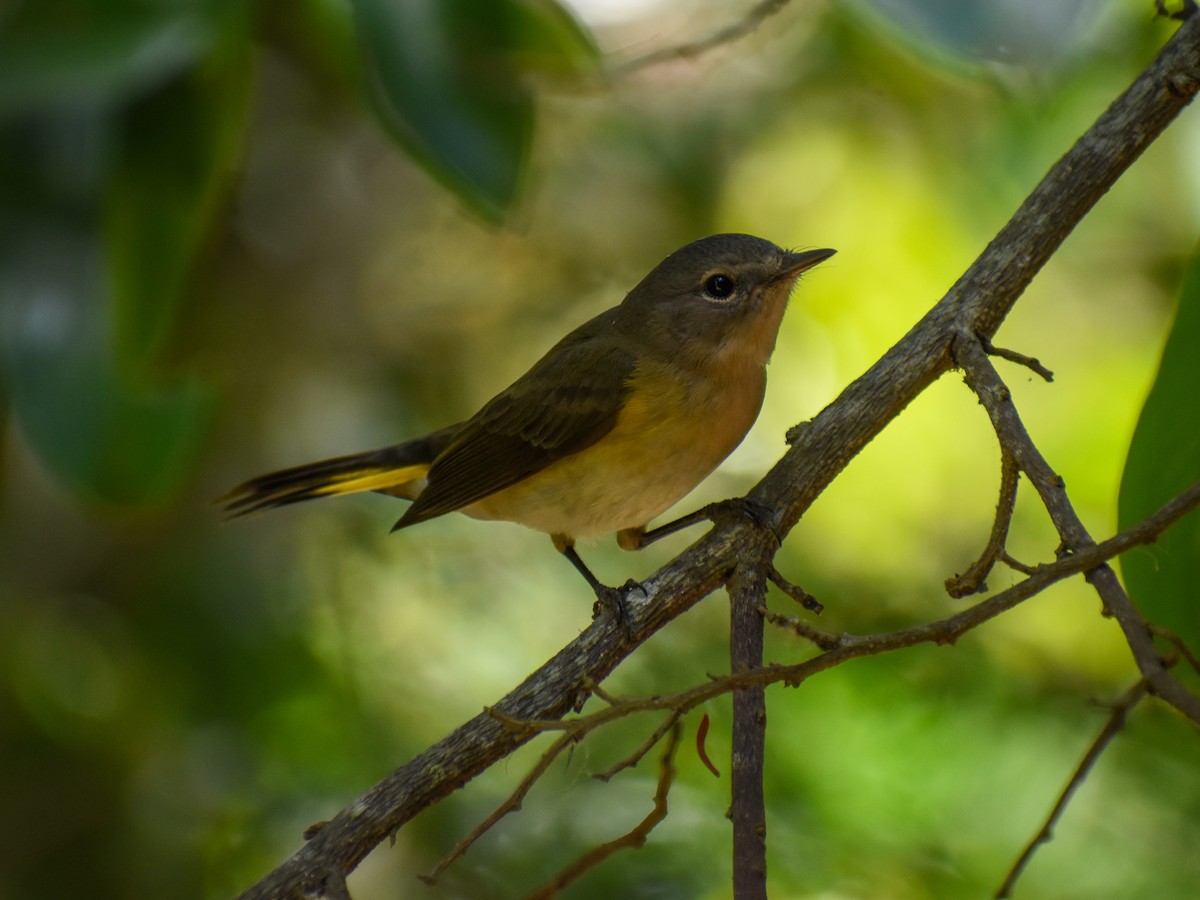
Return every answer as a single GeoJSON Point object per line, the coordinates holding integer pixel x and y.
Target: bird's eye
{"type": "Point", "coordinates": [719, 286]}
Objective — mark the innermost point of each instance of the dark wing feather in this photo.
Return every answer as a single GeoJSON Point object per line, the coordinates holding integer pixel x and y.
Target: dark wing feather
{"type": "Point", "coordinates": [566, 402]}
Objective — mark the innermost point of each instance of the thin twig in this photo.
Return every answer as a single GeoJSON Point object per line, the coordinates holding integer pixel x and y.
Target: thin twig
{"type": "Point", "coordinates": [797, 593]}
{"type": "Point", "coordinates": [823, 639]}
{"type": "Point", "coordinates": [1015, 564]}
{"type": "Point", "coordinates": [1029, 362]}
{"type": "Point", "coordinates": [635, 838]}
{"type": "Point", "coordinates": [511, 804]}
{"type": "Point", "coordinates": [646, 746]}
{"type": "Point", "coordinates": [1175, 640]}
{"type": "Point", "coordinates": [1116, 721]}
{"type": "Point", "coordinates": [690, 50]}
{"type": "Point", "coordinates": [601, 694]}
{"type": "Point", "coordinates": [972, 580]}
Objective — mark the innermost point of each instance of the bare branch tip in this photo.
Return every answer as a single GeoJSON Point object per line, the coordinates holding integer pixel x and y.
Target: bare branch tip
{"type": "Point", "coordinates": [797, 593]}
{"type": "Point", "coordinates": [1030, 362]}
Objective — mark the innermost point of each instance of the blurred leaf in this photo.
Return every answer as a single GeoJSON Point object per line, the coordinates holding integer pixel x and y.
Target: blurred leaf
{"type": "Point", "coordinates": [1020, 32]}
{"type": "Point", "coordinates": [107, 186]}
{"type": "Point", "coordinates": [317, 34]}
{"type": "Point", "coordinates": [55, 52]}
{"type": "Point", "coordinates": [177, 151]}
{"type": "Point", "coordinates": [546, 37]}
{"type": "Point", "coordinates": [444, 82]}
{"type": "Point", "coordinates": [1164, 458]}
{"type": "Point", "coordinates": [108, 436]}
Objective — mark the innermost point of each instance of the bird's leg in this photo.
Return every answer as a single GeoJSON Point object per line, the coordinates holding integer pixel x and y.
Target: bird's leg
{"type": "Point", "coordinates": [637, 538]}
{"type": "Point", "coordinates": [607, 598]}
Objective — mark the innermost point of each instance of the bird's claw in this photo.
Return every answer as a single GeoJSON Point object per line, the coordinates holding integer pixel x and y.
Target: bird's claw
{"type": "Point", "coordinates": [614, 601]}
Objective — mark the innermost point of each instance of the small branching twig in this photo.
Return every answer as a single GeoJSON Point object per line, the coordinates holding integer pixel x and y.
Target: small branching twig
{"type": "Point", "coordinates": [604, 695]}
{"type": "Point", "coordinates": [1116, 721]}
{"type": "Point", "coordinates": [646, 746]}
{"type": "Point", "coordinates": [985, 381]}
{"type": "Point", "coordinates": [1030, 362]}
{"type": "Point", "coordinates": [511, 804]}
{"type": "Point", "coordinates": [520, 726]}
{"type": "Point", "coordinates": [635, 838]}
{"type": "Point", "coordinates": [972, 580]}
{"type": "Point", "coordinates": [797, 593]}
{"type": "Point", "coordinates": [823, 639]}
{"type": "Point", "coordinates": [1016, 565]}
{"type": "Point", "coordinates": [1179, 644]}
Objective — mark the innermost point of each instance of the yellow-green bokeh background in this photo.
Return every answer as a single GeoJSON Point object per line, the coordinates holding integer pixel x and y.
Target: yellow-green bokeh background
{"type": "Point", "coordinates": [180, 697]}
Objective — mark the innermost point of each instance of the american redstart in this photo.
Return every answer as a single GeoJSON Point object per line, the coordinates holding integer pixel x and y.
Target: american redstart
{"type": "Point", "coordinates": [618, 421]}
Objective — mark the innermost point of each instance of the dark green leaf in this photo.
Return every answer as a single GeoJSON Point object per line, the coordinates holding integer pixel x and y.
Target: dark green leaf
{"type": "Point", "coordinates": [177, 149]}
{"type": "Point", "coordinates": [1164, 458]}
{"type": "Point", "coordinates": [1023, 32]}
{"type": "Point", "coordinates": [108, 435]}
{"type": "Point", "coordinates": [546, 37]}
{"type": "Point", "coordinates": [57, 52]}
{"type": "Point", "coordinates": [445, 84]}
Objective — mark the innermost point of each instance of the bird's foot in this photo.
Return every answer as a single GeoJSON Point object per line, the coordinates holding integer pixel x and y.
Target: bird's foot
{"type": "Point", "coordinates": [614, 602]}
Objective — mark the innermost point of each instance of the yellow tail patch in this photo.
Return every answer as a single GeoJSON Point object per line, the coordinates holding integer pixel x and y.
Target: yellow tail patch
{"type": "Point", "coordinates": [371, 480]}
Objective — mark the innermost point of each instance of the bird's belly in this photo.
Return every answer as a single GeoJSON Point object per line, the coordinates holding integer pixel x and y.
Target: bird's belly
{"type": "Point", "coordinates": [654, 455]}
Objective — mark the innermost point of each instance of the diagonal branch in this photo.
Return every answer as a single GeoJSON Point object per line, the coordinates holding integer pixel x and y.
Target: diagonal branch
{"type": "Point", "coordinates": [511, 804]}
{"type": "Point", "coordinates": [1116, 721]}
{"type": "Point", "coordinates": [977, 303]}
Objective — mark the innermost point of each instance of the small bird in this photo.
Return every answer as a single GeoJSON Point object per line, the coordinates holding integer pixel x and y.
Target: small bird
{"type": "Point", "coordinates": [617, 422]}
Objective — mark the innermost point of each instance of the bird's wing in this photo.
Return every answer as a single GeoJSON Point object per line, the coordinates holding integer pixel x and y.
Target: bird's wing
{"type": "Point", "coordinates": [565, 403]}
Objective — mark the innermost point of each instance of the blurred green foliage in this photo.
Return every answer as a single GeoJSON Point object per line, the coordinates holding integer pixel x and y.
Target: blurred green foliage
{"type": "Point", "coordinates": [213, 263]}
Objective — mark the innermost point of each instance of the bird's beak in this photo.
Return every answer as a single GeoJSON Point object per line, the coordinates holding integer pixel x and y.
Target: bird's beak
{"type": "Point", "coordinates": [795, 263]}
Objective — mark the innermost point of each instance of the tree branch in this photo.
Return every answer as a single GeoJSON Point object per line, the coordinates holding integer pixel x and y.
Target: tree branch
{"type": "Point", "coordinates": [976, 304]}
{"type": "Point", "coordinates": [985, 381]}
{"type": "Point", "coordinates": [748, 809]}
{"type": "Point", "coordinates": [842, 648]}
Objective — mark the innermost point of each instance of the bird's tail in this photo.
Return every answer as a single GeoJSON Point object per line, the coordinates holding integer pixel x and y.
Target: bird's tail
{"type": "Point", "coordinates": [394, 470]}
